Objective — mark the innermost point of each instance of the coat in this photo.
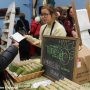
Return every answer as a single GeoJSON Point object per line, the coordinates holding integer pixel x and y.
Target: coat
{"type": "Point", "coordinates": [35, 29]}
{"type": "Point", "coordinates": [22, 24]}
{"type": "Point", "coordinates": [69, 27]}
{"type": "Point", "coordinates": [6, 58]}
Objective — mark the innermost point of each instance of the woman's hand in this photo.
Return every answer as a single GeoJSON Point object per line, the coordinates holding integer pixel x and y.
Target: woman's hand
{"type": "Point", "coordinates": [36, 42]}
{"type": "Point", "coordinates": [74, 33]}
{"type": "Point", "coordinates": [32, 40]}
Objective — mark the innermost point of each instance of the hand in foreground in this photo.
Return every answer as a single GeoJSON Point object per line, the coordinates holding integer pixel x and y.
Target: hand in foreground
{"type": "Point", "coordinates": [16, 44]}
{"type": "Point", "coordinates": [74, 33]}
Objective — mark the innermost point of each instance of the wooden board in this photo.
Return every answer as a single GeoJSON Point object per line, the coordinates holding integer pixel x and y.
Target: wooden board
{"type": "Point", "coordinates": [77, 28]}
{"type": "Point", "coordinates": [58, 56]}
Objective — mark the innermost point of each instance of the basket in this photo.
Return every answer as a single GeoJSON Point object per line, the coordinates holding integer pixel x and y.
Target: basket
{"type": "Point", "coordinates": [25, 77]}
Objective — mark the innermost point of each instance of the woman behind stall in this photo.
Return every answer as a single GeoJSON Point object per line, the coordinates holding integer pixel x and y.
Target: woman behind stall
{"type": "Point", "coordinates": [51, 28]}
{"type": "Point", "coordinates": [69, 23]}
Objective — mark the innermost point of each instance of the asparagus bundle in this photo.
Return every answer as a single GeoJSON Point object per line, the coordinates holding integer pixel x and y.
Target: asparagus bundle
{"type": "Point", "coordinates": [64, 84]}
{"type": "Point", "coordinates": [25, 68]}
{"type": "Point", "coordinates": [43, 88]}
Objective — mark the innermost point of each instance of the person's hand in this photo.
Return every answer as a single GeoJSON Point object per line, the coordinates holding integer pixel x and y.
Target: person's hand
{"type": "Point", "coordinates": [74, 33]}
{"type": "Point", "coordinates": [32, 40]}
{"type": "Point", "coordinates": [16, 44]}
{"type": "Point", "coordinates": [26, 36]}
{"type": "Point", "coordinates": [29, 38]}
{"type": "Point", "coordinates": [36, 42]}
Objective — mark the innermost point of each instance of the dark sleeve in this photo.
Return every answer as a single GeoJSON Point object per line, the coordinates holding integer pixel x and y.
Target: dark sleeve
{"type": "Point", "coordinates": [7, 56]}
{"type": "Point", "coordinates": [27, 26]}
{"type": "Point", "coordinates": [18, 25]}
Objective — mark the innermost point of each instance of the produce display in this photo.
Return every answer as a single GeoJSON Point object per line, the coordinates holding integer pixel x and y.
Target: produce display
{"type": "Point", "coordinates": [34, 83]}
{"type": "Point", "coordinates": [64, 84]}
{"type": "Point", "coordinates": [25, 67]}
{"type": "Point", "coordinates": [43, 83]}
{"type": "Point", "coordinates": [27, 85]}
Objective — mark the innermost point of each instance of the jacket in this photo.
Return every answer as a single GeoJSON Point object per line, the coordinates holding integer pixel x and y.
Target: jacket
{"type": "Point", "coordinates": [6, 58]}
{"type": "Point", "coordinates": [35, 29]}
{"type": "Point", "coordinates": [22, 25]}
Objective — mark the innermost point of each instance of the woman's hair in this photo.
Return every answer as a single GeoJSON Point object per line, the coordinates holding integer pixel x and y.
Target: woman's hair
{"type": "Point", "coordinates": [68, 15]}
{"type": "Point", "coordinates": [59, 9]}
{"type": "Point", "coordinates": [50, 8]}
{"type": "Point", "coordinates": [68, 11]}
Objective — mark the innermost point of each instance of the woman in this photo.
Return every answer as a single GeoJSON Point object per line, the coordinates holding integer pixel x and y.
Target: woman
{"type": "Point", "coordinates": [51, 28]}
{"type": "Point", "coordinates": [5, 59]}
{"type": "Point", "coordinates": [59, 15]}
{"type": "Point", "coordinates": [69, 23]}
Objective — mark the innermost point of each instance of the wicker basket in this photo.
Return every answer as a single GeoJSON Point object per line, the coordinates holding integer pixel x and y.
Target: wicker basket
{"type": "Point", "coordinates": [25, 77]}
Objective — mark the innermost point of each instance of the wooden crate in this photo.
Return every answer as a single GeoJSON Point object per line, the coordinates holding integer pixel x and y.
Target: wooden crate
{"type": "Point", "coordinates": [25, 77]}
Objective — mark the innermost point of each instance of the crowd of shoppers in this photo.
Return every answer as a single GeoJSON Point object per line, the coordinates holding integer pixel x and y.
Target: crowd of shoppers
{"type": "Point", "coordinates": [51, 22]}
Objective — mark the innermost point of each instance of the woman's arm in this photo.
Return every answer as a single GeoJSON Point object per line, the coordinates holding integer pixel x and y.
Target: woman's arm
{"type": "Point", "coordinates": [33, 41]}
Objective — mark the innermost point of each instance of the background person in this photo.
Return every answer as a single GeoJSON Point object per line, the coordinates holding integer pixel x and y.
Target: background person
{"type": "Point", "coordinates": [69, 23]}
{"type": "Point", "coordinates": [34, 31]}
{"type": "Point", "coordinates": [22, 26]}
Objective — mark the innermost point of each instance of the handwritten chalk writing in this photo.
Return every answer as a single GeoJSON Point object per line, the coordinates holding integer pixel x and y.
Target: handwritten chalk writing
{"type": "Point", "coordinates": [58, 55]}
{"type": "Point", "coordinates": [52, 64]}
{"type": "Point", "coordinates": [54, 73]}
{"type": "Point", "coordinates": [65, 69]}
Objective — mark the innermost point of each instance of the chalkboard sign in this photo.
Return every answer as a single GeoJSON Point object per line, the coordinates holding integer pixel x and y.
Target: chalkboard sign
{"type": "Point", "coordinates": [58, 56]}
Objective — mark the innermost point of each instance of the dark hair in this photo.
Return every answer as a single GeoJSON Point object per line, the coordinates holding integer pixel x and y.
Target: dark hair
{"type": "Point", "coordinates": [50, 8]}
{"type": "Point", "coordinates": [68, 11]}
{"type": "Point", "coordinates": [68, 15]}
{"type": "Point", "coordinates": [40, 9]}
{"type": "Point", "coordinates": [59, 9]}
{"type": "Point", "coordinates": [22, 16]}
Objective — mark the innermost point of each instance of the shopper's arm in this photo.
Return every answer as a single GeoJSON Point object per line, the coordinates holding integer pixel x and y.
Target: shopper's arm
{"type": "Point", "coordinates": [7, 56]}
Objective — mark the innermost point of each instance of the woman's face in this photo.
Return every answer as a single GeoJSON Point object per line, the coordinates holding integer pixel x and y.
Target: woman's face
{"type": "Point", "coordinates": [46, 16]}
{"type": "Point", "coordinates": [71, 12]}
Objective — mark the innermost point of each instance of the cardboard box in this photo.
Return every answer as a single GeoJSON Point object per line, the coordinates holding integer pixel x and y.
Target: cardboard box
{"type": "Point", "coordinates": [88, 65]}
{"type": "Point", "coordinates": [82, 69]}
